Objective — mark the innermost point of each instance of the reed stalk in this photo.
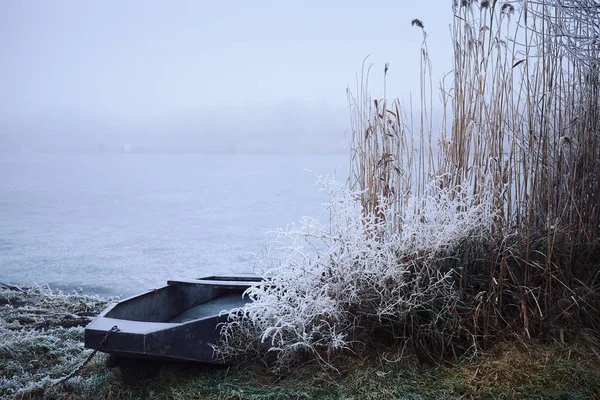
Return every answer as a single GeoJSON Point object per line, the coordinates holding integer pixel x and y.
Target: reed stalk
{"type": "Point", "coordinates": [524, 106]}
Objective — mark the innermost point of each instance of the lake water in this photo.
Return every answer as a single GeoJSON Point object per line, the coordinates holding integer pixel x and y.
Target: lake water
{"type": "Point", "coordinates": [118, 224]}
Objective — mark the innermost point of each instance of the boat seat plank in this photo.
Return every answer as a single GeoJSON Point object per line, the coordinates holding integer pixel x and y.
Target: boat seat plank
{"type": "Point", "coordinates": [214, 283]}
{"type": "Point", "coordinates": [250, 277]}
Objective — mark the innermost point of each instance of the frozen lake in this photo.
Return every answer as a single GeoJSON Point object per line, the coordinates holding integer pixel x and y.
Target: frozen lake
{"type": "Point", "coordinates": [117, 224]}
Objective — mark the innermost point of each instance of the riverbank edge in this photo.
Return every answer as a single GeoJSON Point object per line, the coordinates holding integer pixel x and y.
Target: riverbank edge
{"type": "Point", "coordinates": [41, 341]}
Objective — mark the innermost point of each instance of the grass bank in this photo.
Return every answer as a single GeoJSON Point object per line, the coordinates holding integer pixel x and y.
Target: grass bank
{"type": "Point", "coordinates": [41, 341]}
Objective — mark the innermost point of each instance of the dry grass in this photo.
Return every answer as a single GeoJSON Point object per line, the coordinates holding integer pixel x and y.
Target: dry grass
{"type": "Point", "coordinates": [537, 370]}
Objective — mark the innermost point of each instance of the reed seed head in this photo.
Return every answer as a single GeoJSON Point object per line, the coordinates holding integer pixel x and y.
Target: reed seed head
{"type": "Point", "coordinates": [508, 9]}
{"type": "Point", "coordinates": [564, 140]}
{"type": "Point", "coordinates": [418, 23]}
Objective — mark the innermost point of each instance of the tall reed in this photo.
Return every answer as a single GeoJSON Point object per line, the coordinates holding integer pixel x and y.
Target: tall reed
{"type": "Point", "coordinates": [524, 106]}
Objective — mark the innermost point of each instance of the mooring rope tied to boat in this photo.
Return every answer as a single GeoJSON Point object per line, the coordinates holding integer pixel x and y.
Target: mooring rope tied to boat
{"type": "Point", "coordinates": [86, 362]}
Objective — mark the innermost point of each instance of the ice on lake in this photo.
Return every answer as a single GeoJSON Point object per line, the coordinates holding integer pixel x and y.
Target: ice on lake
{"type": "Point", "coordinates": [117, 224]}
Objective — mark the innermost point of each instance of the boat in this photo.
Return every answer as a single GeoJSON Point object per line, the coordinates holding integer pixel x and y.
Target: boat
{"type": "Point", "coordinates": [176, 322]}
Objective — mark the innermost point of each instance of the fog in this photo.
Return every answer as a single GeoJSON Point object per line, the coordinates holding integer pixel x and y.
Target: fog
{"type": "Point", "coordinates": [198, 76]}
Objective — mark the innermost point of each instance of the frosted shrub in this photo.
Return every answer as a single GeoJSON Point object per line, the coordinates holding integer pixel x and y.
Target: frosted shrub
{"type": "Point", "coordinates": [443, 218]}
{"type": "Point", "coordinates": [340, 282]}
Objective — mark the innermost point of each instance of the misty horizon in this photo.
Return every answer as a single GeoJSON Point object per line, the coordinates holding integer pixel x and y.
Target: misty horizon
{"type": "Point", "coordinates": [285, 131]}
{"type": "Point", "coordinates": [187, 76]}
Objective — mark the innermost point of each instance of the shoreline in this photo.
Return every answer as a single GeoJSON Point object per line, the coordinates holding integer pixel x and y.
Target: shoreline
{"type": "Point", "coordinates": [41, 341]}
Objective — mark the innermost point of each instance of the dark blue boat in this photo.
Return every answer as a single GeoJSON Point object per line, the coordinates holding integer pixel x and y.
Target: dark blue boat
{"type": "Point", "coordinates": [176, 322]}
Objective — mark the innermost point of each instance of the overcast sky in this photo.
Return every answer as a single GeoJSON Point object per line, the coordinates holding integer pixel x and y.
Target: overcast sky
{"type": "Point", "coordinates": [202, 76]}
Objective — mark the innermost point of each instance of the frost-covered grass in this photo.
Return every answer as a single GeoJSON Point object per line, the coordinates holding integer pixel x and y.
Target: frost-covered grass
{"type": "Point", "coordinates": [26, 357]}
{"type": "Point", "coordinates": [41, 336]}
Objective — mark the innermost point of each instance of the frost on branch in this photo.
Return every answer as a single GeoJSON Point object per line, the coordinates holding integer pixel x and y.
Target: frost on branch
{"type": "Point", "coordinates": [340, 282]}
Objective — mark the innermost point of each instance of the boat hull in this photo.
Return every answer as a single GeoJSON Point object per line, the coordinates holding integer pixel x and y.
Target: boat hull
{"type": "Point", "coordinates": [179, 321]}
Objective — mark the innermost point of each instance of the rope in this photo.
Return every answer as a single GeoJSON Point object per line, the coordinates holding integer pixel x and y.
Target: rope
{"type": "Point", "coordinates": [86, 362]}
